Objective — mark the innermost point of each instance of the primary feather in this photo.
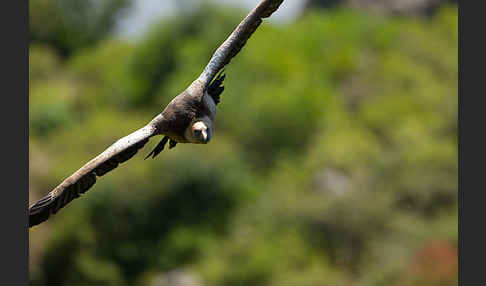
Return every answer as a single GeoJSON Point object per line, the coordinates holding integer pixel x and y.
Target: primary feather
{"type": "Point", "coordinates": [215, 88]}
{"type": "Point", "coordinates": [84, 178]}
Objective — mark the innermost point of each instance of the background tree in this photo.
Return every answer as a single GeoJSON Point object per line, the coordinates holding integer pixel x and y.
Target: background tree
{"type": "Point", "coordinates": [334, 160]}
{"type": "Point", "coordinates": [74, 24]}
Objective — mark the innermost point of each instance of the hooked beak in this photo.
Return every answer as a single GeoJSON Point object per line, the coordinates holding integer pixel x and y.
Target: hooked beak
{"type": "Point", "coordinates": [205, 136]}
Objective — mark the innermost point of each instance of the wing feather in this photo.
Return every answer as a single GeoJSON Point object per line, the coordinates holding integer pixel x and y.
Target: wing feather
{"type": "Point", "coordinates": [233, 44]}
{"type": "Point", "coordinates": [84, 178]}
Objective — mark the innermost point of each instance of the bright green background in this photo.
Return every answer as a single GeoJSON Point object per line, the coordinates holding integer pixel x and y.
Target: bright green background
{"type": "Point", "coordinates": [334, 160]}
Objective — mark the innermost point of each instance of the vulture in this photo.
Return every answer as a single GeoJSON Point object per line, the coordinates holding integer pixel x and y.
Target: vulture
{"type": "Point", "coordinates": [188, 118]}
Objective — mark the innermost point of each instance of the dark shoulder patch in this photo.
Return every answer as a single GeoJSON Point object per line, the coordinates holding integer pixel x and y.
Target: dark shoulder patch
{"type": "Point", "coordinates": [179, 113]}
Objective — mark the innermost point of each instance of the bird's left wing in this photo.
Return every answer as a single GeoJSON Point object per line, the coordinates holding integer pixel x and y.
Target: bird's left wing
{"type": "Point", "coordinates": [84, 178]}
{"type": "Point", "coordinates": [233, 44]}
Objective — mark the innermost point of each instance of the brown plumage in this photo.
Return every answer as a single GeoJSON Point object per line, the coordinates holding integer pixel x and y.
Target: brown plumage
{"type": "Point", "coordinates": [188, 118]}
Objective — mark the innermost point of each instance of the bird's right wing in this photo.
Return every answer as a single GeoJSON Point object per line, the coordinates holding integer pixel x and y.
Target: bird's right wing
{"type": "Point", "coordinates": [233, 44]}
{"type": "Point", "coordinates": [84, 178]}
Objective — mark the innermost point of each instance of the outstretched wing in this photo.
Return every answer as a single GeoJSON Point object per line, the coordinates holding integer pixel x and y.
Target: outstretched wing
{"type": "Point", "coordinates": [235, 42]}
{"type": "Point", "coordinates": [84, 178]}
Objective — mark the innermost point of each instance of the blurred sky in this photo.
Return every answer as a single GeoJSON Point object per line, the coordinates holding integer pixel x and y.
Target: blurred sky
{"type": "Point", "coordinates": [146, 12]}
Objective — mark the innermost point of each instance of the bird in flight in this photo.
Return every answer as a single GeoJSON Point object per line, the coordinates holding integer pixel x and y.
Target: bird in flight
{"type": "Point", "coordinates": [188, 118]}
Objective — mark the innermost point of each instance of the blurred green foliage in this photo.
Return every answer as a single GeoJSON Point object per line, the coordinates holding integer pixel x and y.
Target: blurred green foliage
{"type": "Point", "coordinates": [74, 24]}
{"type": "Point", "coordinates": [334, 160]}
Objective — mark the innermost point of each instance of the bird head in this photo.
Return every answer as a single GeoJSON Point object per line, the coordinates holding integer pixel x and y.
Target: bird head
{"type": "Point", "coordinates": [200, 132]}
